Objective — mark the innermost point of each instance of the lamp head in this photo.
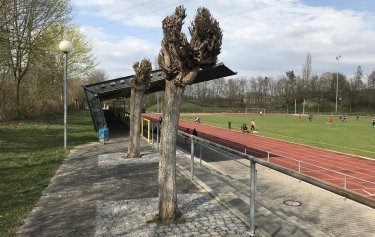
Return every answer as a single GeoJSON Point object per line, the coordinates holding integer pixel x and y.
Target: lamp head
{"type": "Point", "coordinates": [65, 46]}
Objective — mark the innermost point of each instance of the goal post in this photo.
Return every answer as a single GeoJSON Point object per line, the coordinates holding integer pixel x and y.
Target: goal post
{"type": "Point", "coordinates": [259, 111]}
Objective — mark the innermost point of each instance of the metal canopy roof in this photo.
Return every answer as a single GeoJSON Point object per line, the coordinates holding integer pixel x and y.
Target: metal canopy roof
{"type": "Point", "coordinates": [120, 87]}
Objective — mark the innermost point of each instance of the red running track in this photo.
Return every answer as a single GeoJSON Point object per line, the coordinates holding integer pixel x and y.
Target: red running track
{"type": "Point", "coordinates": [357, 174]}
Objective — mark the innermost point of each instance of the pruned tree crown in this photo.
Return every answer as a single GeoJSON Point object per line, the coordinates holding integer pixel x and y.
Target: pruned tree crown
{"type": "Point", "coordinates": [206, 38]}
{"type": "Point", "coordinates": [179, 58]}
{"type": "Point", "coordinates": [142, 77]}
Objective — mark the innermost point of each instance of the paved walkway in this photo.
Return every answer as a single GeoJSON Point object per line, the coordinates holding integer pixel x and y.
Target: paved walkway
{"type": "Point", "coordinates": [96, 192]}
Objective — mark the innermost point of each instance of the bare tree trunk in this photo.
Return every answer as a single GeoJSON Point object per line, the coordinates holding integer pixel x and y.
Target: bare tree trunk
{"type": "Point", "coordinates": [136, 101]}
{"type": "Point", "coordinates": [168, 209]}
{"type": "Point", "coordinates": [18, 100]}
{"type": "Point", "coordinates": [140, 82]}
{"type": "Point", "coordinates": [180, 61]}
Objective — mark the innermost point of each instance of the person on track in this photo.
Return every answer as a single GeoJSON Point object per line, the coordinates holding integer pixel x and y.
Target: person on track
{"type": "Point", "coordinates": [252, 125]}
{"type": "Point", "coordinates": [244, 128]}
{"type": "Point", "coordinates": [197, 119]}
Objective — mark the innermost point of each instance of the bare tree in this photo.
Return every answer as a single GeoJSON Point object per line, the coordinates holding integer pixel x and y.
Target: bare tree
{"type": "Point", "coordinates": [242, 84]}
{"type": "Point", "coordinates": [140, 83]}
{"type": "Point", "coordinates": [180, 61]}
{"type": "Point", "coordinates": [218, 87]}
{"type": "Point", "coordinates": [357, 80]}
{"type": "Point", "coordinates": [262, 92]}
{"type": "Point", "coordinates": [253, 92]}
{"type": "Point", "coordinates": [232, 92]}
{"type": "Point", "coordinates": [371, 80]}
{"type": "Point", "coordinates": [286, 89]}
{"type": "Point", "coordinates": [306, 68]}
{"type": "Point", "coordinates": [95, 76]}
{"type": "Point", "coordinates": [25, 33]}
{"type": "Point", "coordinates": [301, 87]}
{"type": "Point", "coordinates": [371, 89]}
{"type": "Point", "coordinates": [265, 90]}
{"type": "Point", "coordinates": [202, 92]}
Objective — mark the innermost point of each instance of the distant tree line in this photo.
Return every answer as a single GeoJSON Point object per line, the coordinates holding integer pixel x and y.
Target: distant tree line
{"type": "Point", "coordinates": [31, 65]}
{"type": "Point", "coordinates": [280, 94]}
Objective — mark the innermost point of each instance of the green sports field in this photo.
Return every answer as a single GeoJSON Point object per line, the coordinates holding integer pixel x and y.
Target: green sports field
{"type": "Point", "coordinates": [353, 137]}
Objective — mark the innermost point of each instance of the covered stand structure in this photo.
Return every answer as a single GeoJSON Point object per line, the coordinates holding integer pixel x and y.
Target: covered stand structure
{"type": "Point", "coordinates": [98, 93]}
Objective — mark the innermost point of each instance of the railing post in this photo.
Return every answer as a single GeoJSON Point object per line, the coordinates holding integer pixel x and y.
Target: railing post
{"type": "Point", "coordinates": [141, 126]}
{"type": "Point", "coordinates": [148, 130]}
{"type": "Point", "coordinates": [192, 157]}
{"type": "Point", "coordinates": [299, 166]}
{"type": "Point", "coordinates": [152, 134]}
{"type": "Point", "coordinates": [157, 135]}
{"type": "Point", "coordinates": [252, 197]}
{"type": "Point", "coordinates": [345, 182]}
{"type": "Point", "coordinates": [200, 154]}
{"type": "Point", "coordinates": [268, 156]}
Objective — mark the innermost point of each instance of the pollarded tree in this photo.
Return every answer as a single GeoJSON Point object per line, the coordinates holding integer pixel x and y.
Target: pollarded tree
{"type": "Point", "coordinates": [181, 61]}
{"type": "Point", "coordinates": [140, 83]}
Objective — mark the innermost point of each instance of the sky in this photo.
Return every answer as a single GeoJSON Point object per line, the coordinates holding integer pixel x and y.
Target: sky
{"type": "Point", "coordinates": [260, 37]}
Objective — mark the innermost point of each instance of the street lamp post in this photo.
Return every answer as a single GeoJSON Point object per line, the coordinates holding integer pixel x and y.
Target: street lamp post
{"type": "Point", "coordinates": [337, 79]}
{"type": "Point", "coordinates": [66, 47]}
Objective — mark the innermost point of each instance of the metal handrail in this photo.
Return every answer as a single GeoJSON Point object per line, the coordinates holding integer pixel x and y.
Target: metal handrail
{"type": "Point", "coordinates": [317, 166]}
{"type": "Point", "coordinates": [299, 162]}
{"type": "Point", "coordinates": [307, 178]}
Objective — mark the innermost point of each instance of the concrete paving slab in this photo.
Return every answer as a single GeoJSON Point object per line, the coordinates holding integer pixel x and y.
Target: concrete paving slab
{"type": "Point", "coordinates": [96, 192]}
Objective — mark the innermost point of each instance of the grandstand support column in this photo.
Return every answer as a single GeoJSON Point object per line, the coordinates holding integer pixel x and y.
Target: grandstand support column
{"type": "Point", "coordinates": [252, 197]}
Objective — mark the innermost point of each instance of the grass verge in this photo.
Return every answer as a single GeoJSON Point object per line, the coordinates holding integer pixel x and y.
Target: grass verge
{"type": "Point", "coordinates": [30, 153]}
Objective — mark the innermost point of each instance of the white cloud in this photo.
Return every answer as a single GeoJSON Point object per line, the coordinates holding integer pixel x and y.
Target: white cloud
{"type": "Point", "coordinates": [266, 37]}
{"type": "Point", "coordinates": [117, 56]}
{"type": "Point", "coordinates": [94, 2]}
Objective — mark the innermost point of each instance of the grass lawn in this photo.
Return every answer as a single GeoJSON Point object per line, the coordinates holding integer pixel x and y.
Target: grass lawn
{"type": "Point", "coordinates": [30, 153]}
{"type": "Point", "coordinates": [353, 137]}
